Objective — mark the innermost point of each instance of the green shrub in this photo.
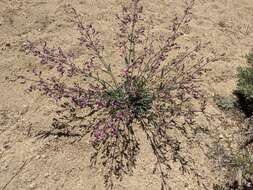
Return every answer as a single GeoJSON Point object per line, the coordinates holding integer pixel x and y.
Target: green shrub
{"type": "Point", "coordinates": [245, 162]}
{"type": "Point", "coordinates": [225, 103]}
{"type": "Point", "coordinates": [240, 172]}
{"type": "Point", "coordinates": [250, 58]}
{"type": "Point", "coordinates": [244, 89]}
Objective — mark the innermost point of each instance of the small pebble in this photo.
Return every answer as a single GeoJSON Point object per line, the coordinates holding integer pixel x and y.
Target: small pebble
{"type": "Point", "coordinates": [43, 156]}
{"type": "Point", "coordinates": [221, 136]}
{"type": "Point", "coordinates": [37, 157]}
{"type": "Point", "coordinates": [32, 186]}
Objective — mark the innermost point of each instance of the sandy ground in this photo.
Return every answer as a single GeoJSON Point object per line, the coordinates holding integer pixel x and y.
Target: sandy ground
{"type": "Point", "coordinates": [56, 163]}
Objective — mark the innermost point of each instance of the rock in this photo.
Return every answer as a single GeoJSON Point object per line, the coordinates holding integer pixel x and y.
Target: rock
{"type": "Point", "coordinates": [37, 157]}
{"type": "Point", "coordinates": [43, 156]}
{"type": "Point", "coordinates": [221, 136]}
{"type": "Point", "coordinates": [32, 186]}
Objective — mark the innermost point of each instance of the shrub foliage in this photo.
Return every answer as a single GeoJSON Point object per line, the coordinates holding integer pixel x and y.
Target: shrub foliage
{"type": "Point", "coordinates": [244, 89]}
{"type": "Point", "coordinates": [225, 103]}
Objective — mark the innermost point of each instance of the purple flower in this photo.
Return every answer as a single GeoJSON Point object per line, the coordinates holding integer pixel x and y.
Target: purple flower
{"type": "Point", "coordinates": [100, 104]}
{"type": "Point", "coordinates": [99, 135]}
{"type": "Point", "coordinates": [120, 115]}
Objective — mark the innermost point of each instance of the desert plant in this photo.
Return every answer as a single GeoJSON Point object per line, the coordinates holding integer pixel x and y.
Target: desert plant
{"type": "Point", "coordinates": [245, 162]}
{"type": "Point", "coordinates": [250, 58]}
{"type": "Point", "coordinates": [153, 92]}
{"type": "Point", "coordinates": [225, 103]}
{"type": "Point", "coordinates": [239, 167]}
{"type": "Point", "coordinates": [244, 89]}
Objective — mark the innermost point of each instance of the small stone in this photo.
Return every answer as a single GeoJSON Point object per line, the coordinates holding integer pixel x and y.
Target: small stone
{"type": "Point", "coordinates": [37, 157]}
{"type": "Point", "coordinates": [43, 156]}
{"type": "Point", "coordinates": [32, 186]}
{"type": "Point", "coordinates": [56, 178]}
{"type": "Point", "coordinates": [221, 136]}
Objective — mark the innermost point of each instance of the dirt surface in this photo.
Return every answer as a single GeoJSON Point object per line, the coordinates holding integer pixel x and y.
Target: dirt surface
{"type": "Point", "coordinates": [62, 163]}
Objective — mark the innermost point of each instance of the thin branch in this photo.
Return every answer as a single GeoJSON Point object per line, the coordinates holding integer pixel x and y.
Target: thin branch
{"type": "Point", "coordinates": [18, 172]}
